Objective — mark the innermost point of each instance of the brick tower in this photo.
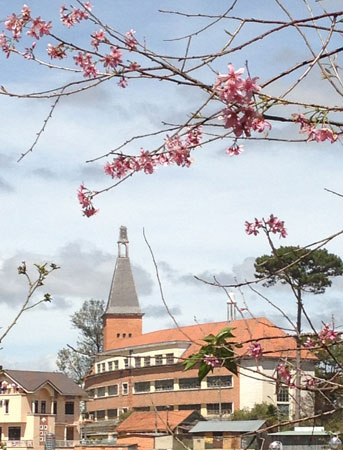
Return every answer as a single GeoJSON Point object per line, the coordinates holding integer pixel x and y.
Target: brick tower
{"type": "Point", "coordinates": [123, 316]}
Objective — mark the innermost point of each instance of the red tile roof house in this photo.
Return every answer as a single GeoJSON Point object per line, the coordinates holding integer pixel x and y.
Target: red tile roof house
{"type": "Point", "coordinates": [143, 371]}
{"type": "Point", "coordinates": [36, 404]}
{"type": "Point", "coordinates": [158, 429]}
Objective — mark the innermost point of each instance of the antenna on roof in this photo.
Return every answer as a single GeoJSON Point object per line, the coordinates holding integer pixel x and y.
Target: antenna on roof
{"type": "Point", "coordinates": [231, 307]}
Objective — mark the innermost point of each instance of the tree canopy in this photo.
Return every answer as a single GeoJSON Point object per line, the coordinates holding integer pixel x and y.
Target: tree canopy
{"type": "Point", "coordinates": [75, 362]}
{"type": "Point", "coordinates": [308, 271]}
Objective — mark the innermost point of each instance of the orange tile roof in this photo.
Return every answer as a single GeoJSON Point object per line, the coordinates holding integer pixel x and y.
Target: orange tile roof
{"type": "Point", "coordinates": [274, 341]}
{"type": "Point", "coordinates": [151, 421]}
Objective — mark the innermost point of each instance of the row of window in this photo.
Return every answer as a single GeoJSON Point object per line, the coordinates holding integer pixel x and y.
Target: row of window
{"type": "Point", "coordinates": [41, 407]}
{"type": "Point", "coordinates": [214, 409]}
{"type": "Point", "coordinates": [137, 362]}
{"type": "Point", "coordinates": [139, 387]}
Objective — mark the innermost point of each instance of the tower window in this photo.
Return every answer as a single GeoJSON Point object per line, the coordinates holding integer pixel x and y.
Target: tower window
{"type": "Point", "coordinates": [118, 335]}
{"type": "Point", "coordinates": [124, 335]}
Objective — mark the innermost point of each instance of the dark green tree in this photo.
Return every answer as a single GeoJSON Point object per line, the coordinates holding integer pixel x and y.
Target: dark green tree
{"type": "Point", "coordinates": [76, 361]}
{"type": "Point", "coordinates": [263, 410]}
{"type": "Point", "coordinates": [303, 270]}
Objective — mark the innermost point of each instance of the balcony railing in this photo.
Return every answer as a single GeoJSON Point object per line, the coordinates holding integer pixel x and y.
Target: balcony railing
{"type": "Point", "coordinates": [18, 444]}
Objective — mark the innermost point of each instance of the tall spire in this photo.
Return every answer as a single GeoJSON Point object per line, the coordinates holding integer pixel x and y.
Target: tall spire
{"type": "Point", "coordinates": [123, 298]}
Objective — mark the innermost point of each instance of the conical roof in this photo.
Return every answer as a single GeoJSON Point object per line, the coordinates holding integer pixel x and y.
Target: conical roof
{"type": "Point", "coordinates": [123, 298]}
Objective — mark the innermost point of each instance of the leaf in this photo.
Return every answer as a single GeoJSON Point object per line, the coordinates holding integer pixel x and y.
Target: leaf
{"type": "Point", "coordinates": [204, 369]}
{"type": "Point", "coordinates": [191, 361]}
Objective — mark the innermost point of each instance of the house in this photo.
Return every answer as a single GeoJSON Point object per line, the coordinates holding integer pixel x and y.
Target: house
{"type": "Point", "coordinates": [143, 371]}
{"type": "Point", "coordinates": [158, 429]}
{"type": "Point", "coordinates": [36, 404]}
{"type": "Point", "coordinates": [234, 434]}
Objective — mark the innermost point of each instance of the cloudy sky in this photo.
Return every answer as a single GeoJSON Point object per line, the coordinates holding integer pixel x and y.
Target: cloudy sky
{"type": "Point", "coordinates": [193, 218]}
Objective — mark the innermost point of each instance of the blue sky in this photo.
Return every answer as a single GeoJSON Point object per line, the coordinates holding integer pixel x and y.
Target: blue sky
{"type": "Point", "coordinates": [194, 218]}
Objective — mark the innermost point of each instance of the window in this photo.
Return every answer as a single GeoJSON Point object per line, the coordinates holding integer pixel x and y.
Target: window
{"type": "Point", "coordinates": [101, 392]}
{"type": "Point", "coordinates": [189, 383]}
{"type": "Point", "coordinates": [35, 407]}
{"type": "Point", "coordinates": [91, 393]}
{"type": "Point", "coordinates": [130, 334]}
{"type": "Point", "coordinates": [100, 415]}
{"type": "Point", "coordinates": [54, 408]}
{"type": "Point", "coordinates": [189, 407]}
{"type": "Point", "coordinates": [43, 407]}
{"type": "Point", "coordinates": [124, 335]}
{"type": "Point", "coordinates": [138, 361]}
{"type": "Point", "coordinates": [216, 408]}
{"type": "Point", "coordinates": [116, 365]}
{"type": "Point", "coordinates": [7, 406]}
{"type": "Point", "coordinates": [124, 410]}
{"type": "Point", "coordinates": [164, 385]}
{"type": "Point", "coordinates": [162, 408]}
{"type": "Point", "coordinates": [142, 386]}
{"type": "Point", "coordinates": [282, 395]}
{"type": "Point", "coordinates": [125, 388]}
{"type": "Point", "coordinates": [158, 360]}
{"type": "Point", "coordinates": [112, 390]}
{"type": "Point", "coordinates": [14, 433]}
{"type": "Point", "coordinates": [142, 408]}
{"type": "Point", "coordinates": [118, 335]}
{"type": "Point", "coordinates": [222, 382]}
{"type": "Point", "coordinates": [110, 365]}
{"type": "Point", "coordinates": [126, 363]}
{"type": "Point", "coordinates": [103, 367]}
{"type": "Point", "coordinates": [283, 410]}
{"type": "Point", "coordinates": [170, 358]}
{"type": "Point", "coordinates": [147, 361]}
{"type": "Point", "coordinates": [98, 366]}
{"type": "Point", "coordinates": [69, 408]}
{"type": "Point", "coordinates": [112, 413]}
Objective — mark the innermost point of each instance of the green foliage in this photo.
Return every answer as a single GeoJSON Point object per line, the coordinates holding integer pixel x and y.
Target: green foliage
{"type": "Point", "coordinates": [309, 272]}
{"type": "Point", "coordinates": [76, 362]}
{"type": "Point", "coordinates": [217, 352]}
{"type": "Point", "coordinates": [263, 410]}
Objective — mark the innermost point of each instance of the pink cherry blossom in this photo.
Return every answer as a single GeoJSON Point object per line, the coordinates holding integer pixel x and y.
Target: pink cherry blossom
{"type": "Point", "coordinates": [176, 151]}
{"type": "Point", "coordinates": [85, 199]}
{"type": "Point", "coordinates": [212, 361]}
{"type": "Point", "coordinates": [314, 134]}
{"type": "Point", "coordinates": [4, 45]}
{"type": "Point", "coordinates": [56, 52]}
{"type": "Point", "coordinates": [130, 40]}
{"type": "Point", "coordinates": [97, 38]}
{"type": "Point", "coordinates": [235, 150]}
{"type": "Point", "coordinates": [28, 54]}
{"type": "Point", "coordinates": [39, 28]}
{"type": "Point", "coordinates": [309, 343]}
{"type": "Point", "coordinates": [76, 15]}
{"type": "Point", "coordinates": [271, 225]}
{"type": "Point", "coordinates": [14, 24]}
{"type": "Point", "coordinates": [113, 59]}
{"type": "Point", "coordinates": [123, 82]}
{"type": "Point", "coordinates": [285, 374]}
{"type": "Point", "coordinates": [134, 66]}
{"type": "Point", "coordinates": [327, 335]}
{"type": "Point", "coordinates": [84, 60]}
{"type": "Point", "coordinates": [255, 350]}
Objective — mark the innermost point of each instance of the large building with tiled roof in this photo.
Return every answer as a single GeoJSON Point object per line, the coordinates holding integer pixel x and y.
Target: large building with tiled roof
{"type": "Point", "coordinates": [143, 371]}
{"type": "Point", "coordinates": [35, 404]}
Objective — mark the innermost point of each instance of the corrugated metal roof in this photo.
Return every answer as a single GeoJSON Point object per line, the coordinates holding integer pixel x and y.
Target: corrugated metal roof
{"type": "Point", "coordinates": [234, 426]}
{"type": "Point", "coordinates": [300, 433]}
